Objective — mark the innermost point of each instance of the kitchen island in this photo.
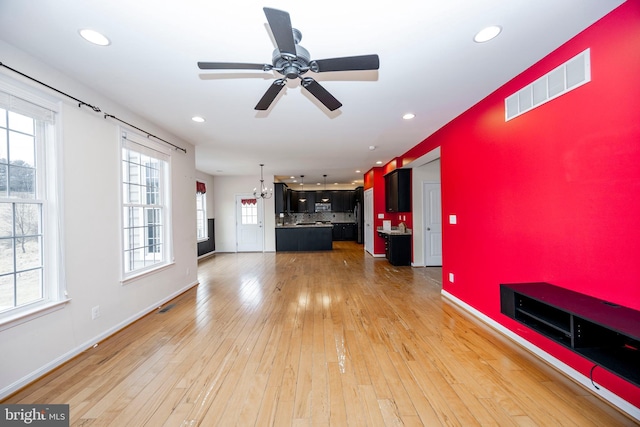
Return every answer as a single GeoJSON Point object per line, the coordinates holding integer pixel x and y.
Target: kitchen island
{"type": "Point", "coordinates": [304, 237]}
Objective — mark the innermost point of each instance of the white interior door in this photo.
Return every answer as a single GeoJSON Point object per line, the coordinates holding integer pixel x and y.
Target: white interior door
{"type": "Point", "coordinates": [249, 224]}
{"type": "Point", "coordinates": [432, 224]}
{"type": "Point", "coordinates": [368, 220]}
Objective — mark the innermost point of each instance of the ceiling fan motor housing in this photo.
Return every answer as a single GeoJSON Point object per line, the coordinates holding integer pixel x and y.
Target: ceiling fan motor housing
{"type": "Point", "coordinates": [292, 67]}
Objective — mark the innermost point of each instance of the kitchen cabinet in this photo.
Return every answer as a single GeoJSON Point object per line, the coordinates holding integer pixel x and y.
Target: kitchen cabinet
{"type": "Point", "coordinates": [303, 238]}
{"type": "Point", "coordinates": [321, 196]}
{"type": "Point", "coordinates": [337, 201]}
{"type": "Point", "coordinates": [344, 231]}
{"type": "Point", "coordinates": [280, 195]}
{"type": "Point", "coordinates": [341, 200]}
{"type": "Point", "coordinates": [397, 247]}
{"type": "Point", "coordinates": [398, 190]}
{"type": "Point", "coordinates": [604, 333]}
{"type": "Point", "coordinates": [299, 206]}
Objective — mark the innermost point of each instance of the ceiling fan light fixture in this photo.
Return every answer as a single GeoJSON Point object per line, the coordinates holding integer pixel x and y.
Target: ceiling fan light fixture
{"type": "Point", "coordinates": [92, 36]}
{"type": "Point", "coordinates": [487, 34]}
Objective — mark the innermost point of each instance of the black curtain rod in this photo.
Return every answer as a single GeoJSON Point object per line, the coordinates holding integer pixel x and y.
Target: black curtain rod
{"type": "Point", "coordinates": [93, 107]}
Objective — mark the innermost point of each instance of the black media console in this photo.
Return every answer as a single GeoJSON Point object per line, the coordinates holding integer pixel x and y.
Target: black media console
{"type": "Point", "coordinates": [605, 333]}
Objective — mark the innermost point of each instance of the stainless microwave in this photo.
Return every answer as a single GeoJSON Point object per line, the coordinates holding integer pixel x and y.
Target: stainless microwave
{"type": "Point", "coordinates": [323, 207]}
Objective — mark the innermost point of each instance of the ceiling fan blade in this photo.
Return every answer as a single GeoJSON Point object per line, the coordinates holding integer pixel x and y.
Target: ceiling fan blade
{"type": "Point", "coordinates": [321, 93]}
{"type": "Point", "coordinates": [232, 66]}
{"type": "Point", "coordinates": [347, 63]}
{"type": "Point", "coordinates": [270, 94]}
{"type": "Point", "coordinates": [280, 24]}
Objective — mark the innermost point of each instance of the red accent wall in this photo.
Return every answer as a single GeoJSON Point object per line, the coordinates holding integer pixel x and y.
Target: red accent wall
{"type": "Point", "coordinates": [552, 195]}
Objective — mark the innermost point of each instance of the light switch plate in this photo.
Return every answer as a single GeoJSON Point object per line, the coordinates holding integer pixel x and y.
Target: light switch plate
{"type": "Point", "coordinates": [380, 216]}
{"type": "Point", "coordinates": [451, 277]}
{"type": "Point", "coordinates": [453, 219]}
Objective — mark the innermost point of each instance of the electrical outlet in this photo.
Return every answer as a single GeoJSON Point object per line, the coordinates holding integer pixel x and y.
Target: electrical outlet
{"type": "Point", "coordinates": [451, 277]}
{"type": "Point", "coordinates": [95, 312]}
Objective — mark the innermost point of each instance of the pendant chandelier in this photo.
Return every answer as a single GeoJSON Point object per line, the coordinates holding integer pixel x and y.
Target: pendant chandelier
{"type": "Point", "coordinates": [325, 199]}
{"type": "Point", "coordinates": [302, 199]}
{"type": "Point", "coordinates": [263, 193]}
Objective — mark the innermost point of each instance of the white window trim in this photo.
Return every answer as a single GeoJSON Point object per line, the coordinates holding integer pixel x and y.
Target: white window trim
{"type": "Point", "coordinates": [147, 144]}
{"type": "Point", "coordinates": [206, 226]}
{"type": "Point", "coordinates": [54, 289]}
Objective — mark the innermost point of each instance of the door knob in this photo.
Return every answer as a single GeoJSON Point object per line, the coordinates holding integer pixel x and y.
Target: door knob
{"type": "Point", "coordinates": [428, 229]}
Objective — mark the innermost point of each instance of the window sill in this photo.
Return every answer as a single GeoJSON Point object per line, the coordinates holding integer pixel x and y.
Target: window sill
{"type": "Point", "coordinates": [140, 275]}
{"type": "Point", "coordinates": [33, 313]}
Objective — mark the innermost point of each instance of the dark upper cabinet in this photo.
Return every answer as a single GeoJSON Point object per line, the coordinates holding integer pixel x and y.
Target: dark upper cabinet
{"type": "Point", "coordinates": [398, 190]}
{"type": "Point", "coordinates": [337, 201]}
{"type": "Point", "coordinates": [350, 201]}
{"type": "Point", "coordinates": [321, 196]}
{"type": "Point", "coordinates": [341, 200]}
{"type": "Point", "coordinates": [303, 201]}
{"type": "Point", "coordinates": [281, 196]}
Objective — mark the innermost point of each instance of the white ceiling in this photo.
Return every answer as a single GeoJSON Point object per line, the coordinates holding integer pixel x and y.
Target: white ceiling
{"type": "Point", "coordinates": [429, 65]}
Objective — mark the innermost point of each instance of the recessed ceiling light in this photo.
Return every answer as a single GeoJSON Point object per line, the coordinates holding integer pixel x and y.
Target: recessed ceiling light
{"type": "Point", "coordinates": [408, 116]}
{"type": "Point", "coordinates": [378, 162]}
{"type": "Point", "coordinates": [357, 171]}
{"type": "Point", "coordinates": [292, 177]}
{"type": "Point", "coordinates": [198, 119]}
{"type": "Point", "coordinates": [372, 147]}
{"type": "Point", "coordinates": [487, 34]}
{"type": "Point", "coordinates": [94, 37]}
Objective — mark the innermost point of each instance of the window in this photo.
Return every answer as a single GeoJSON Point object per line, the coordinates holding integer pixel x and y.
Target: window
{"type": "Point", "coordinates": [201, 215]}
{"type": "Point", "coordinates": [145, 213]}
{"type": "Point", "coordinates": [30, 271]}
{"type": "Point", "coordinates": [249, 212]}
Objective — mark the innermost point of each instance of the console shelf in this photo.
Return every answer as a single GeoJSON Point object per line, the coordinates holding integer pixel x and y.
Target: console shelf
{"type": "Point", "coordinates": [604, 333]}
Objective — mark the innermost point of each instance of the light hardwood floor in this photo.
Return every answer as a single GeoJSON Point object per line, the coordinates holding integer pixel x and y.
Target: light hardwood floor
{"type": "Point", "coordinates": [328, 338]}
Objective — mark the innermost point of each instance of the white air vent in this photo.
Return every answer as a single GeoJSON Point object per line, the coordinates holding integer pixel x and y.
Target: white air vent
{"type": "Point", "coordinates": [573, 73]}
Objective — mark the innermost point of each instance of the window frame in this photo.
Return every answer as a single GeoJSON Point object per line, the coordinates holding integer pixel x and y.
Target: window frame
{"type": "Point", "coordinates": [201, 199]}
{"type": "Point", "coordinates": [134, 141]}
{"type": "Point", "coordinates": [45, 110]}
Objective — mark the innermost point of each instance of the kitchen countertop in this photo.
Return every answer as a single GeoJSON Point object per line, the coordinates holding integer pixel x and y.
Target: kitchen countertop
{"type": "Point", "coordinates": [395, 232]}
{"type": "Point", "coordinates": [304, 225]}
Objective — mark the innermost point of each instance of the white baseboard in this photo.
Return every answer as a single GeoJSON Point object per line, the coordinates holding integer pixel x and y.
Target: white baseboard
{"type": "Point", "coordinates": [614, 399]}
{"type": "Point", "coordinates": [43, 370]}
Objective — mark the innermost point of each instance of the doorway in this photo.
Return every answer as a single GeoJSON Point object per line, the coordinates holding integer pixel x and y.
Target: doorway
{"type": "Point", "coordinates": [249, 224]}
{"type": "Point", "coordinates": [432, 214]}
{"type": "Point", "coordinates": [368, 221]}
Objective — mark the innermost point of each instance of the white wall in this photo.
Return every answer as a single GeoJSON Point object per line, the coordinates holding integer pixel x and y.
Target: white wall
{"type": "Point", "coordinates": [429, 172]}
{"type": "Point", "coordinates": [225, 189]}
{"type": "Point", "coordinates": [91, 229]}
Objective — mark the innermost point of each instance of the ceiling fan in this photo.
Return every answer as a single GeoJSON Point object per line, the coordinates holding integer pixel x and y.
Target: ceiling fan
{"type": "Point", "coordinates": [292, 61]}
